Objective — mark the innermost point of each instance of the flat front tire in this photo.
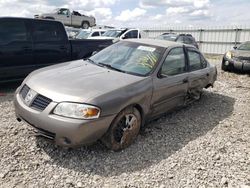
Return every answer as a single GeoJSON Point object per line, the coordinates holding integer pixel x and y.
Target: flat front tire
{"type": "Point", "coordinates": [123, 130]}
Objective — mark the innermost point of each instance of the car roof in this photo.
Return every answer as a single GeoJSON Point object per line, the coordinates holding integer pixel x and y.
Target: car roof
{"type": "Point", "coordinates": [156, 42]}
{"type": "Point", "coordinates": [34, 19]}
{"type": "Point", "coordinates": [175, 34]}
{"type": "Point", "coordinates": [93, 30]}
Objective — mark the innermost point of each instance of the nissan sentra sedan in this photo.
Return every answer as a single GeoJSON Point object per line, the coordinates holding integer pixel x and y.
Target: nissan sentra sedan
{"type": "Point", "coordinates": [237, 59]}
{"type": "Point", "coordinates": [110, 96]}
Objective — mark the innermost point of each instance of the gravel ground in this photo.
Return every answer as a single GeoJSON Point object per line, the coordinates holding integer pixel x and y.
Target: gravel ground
{"type": "Point", "coordinates": [206, 144]}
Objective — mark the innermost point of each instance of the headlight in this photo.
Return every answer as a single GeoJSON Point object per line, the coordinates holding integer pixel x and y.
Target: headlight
{"type": "Point", "coordinates": [76, 110]}
{"type": "Point", "coordinates": [229, 55]}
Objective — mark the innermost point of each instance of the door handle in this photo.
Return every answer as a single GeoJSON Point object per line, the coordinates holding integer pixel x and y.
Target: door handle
{"type": "Point", "coordinates": [185, 80]}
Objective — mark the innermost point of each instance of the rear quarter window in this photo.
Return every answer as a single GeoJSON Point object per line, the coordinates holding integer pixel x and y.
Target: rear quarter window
{"type": "Point", "coordinates": [45, 31]}
{"type": "Point", "coordinates": [12, 31]}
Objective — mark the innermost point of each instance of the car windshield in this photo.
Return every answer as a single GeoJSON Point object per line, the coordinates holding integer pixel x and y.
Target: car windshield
{"type": "Point", "coordinates": [244, 46]}
{"type": "Point", "coordinates": [167, 37]}
{"type": "Point", "coordinates": [129, 57]}
{"type": "Point", "coordinates": [56, 10]}
{"type": "Point", "coordinates": [112, 33]}
{"type": "Point", "coordinates": [83, 35]}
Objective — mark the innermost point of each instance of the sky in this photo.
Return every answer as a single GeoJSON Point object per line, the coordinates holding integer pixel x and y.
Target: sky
{"type": "Point", "coordinates": [141, 13]}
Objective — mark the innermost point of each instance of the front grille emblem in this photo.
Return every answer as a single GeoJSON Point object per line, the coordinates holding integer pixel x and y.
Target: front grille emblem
{"type": "Point", "coordinates": [30, 97]}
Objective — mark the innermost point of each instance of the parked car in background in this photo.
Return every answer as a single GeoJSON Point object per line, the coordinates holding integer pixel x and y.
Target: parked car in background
{"type": "Point", "coordinates": [121, 34]}
{"type": "Point", "coordinates": [29, 44]}
{"type": "Point", "coordinates": [183, 38]}
{"type": "Point", "coordinates": [89, 33]}
{"type": "Point", "coordinates": [113, 93]}
{"type": "Point", "coordinates": [237, 59]}
{"type": "Point", "coordinates": [68, 18]}
{"type": "Point", "coordinates": [72, 32]}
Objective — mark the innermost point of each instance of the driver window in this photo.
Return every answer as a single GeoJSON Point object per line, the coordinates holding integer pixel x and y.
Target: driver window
{"type": "Point", "coordinates": [63, 12]}
{"type": "Point", "coordinates": [174, 63]}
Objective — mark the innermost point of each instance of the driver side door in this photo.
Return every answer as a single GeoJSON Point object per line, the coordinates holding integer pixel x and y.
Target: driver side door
{"type": "Point", "coordinates": [171, 84]}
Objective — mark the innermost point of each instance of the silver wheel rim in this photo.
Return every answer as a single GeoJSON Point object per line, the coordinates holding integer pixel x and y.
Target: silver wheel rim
{"type": "Point", "coordinates": [125, 127]}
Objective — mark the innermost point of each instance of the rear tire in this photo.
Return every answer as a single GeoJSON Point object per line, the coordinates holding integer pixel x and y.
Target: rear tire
{"type": "Point", "coordinates": [123, 130]}
{"type": "Point", "coordinates": [85, 25]}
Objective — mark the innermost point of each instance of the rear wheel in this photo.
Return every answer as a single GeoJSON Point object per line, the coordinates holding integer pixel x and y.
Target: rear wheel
{"type": "Point", "coordinates": [123, 130]}
{"type": "Point", "coordinates": [85, 25]}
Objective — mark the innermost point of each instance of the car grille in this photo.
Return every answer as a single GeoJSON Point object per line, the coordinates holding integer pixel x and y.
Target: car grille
{"type": "Point", "coordinates": [39, 103]}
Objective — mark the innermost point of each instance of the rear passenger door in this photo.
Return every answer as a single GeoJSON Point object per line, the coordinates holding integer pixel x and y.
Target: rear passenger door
{"type": "Point", "coordinates": [16, 56]}
{"type": "Point", "coordinates": [199, 73]}
{"type": "Point", "coordinates": [50, 43]}
{"type": "Point", "coordinates": [170, 87]}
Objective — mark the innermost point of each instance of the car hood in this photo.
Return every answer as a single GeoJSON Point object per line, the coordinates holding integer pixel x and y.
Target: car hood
{"type": "Point", "coordinates": [244, 54]}
{"type": "Point", "coordinates": [78, 81]}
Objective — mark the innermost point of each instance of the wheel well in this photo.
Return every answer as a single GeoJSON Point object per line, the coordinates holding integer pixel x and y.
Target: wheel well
{"type": "Point", "coordinates": [85, 22]}
{"type": "Point", "coordinates": [139, 108]}
{"type": "Point", "coordinates": [50, 18]}
{"type": "Point", "coordinates": [209, 85]}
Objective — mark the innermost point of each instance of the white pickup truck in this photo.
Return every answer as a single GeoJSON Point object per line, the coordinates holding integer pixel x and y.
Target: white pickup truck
{"type": "Point", "coordinates": [68, 18]}
{"type": "Point", "coordinates": [120, 34]}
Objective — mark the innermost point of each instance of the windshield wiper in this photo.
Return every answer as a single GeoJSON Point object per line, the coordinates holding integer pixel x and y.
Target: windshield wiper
{"type": "Point", "coordinates": [91, 61]}
{"type": "Point", "coordinates": [111, 67]}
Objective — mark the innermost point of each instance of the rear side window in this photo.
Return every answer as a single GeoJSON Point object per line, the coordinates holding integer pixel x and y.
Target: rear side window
{"type": "Point", "coordinates": [174, 63]}
{"type": "Point", "coordinates": [12, 31]}
{"type": "Point", "coordinates": [196, 60]}
{"type": "Point", "coordinates": [132, 34]}
{"type": "Point", "coordinates": [45, 31]}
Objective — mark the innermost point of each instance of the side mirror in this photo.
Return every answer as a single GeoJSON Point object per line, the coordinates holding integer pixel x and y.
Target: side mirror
{"type": "Point", "coordinates": [161, 75]}
{"type": "Point", "coordinates": [124, 37]}
{"type": "Point", "coordinates": [235, 47]}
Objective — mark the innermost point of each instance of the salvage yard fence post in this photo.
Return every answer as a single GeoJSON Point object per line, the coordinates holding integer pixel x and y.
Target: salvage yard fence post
{"type": "Point", "coordinates": [211, 40]}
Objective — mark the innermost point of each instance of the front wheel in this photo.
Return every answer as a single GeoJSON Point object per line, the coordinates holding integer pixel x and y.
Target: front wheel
{"type": "Point", "coordinates": [123, 130]}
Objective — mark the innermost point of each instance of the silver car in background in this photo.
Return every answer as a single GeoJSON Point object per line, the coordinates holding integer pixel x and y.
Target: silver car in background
{"type": "Point", "coordinates": [69, 18]}
{"type": "Point", "coordinates": [111, 95]}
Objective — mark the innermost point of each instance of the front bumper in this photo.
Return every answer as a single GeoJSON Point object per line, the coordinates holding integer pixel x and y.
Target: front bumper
{"type": "Point", "coordinates": [237, 65]}
{"type": "Point", "coordinates": [64, 131]}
